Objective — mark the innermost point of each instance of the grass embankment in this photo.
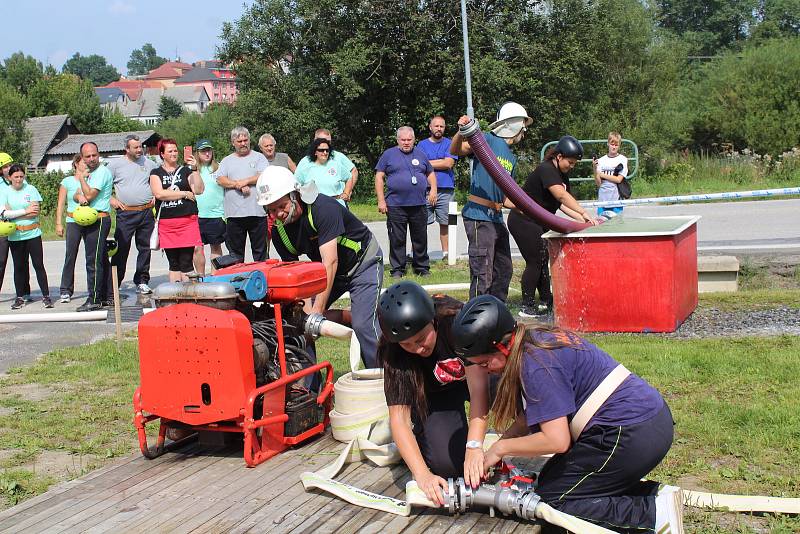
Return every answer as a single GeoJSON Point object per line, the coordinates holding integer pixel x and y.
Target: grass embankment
{"type": "Point", "coordinates": [734, 401]}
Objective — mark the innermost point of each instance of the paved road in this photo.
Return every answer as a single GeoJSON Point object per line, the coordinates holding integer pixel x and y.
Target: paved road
{"type": "Point", "coordinates": [763, 227]}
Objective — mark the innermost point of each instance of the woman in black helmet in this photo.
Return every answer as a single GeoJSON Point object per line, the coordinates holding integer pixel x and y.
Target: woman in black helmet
{"type": "Point", "coordinates": [424, 384]}
{"type": "Point", "coordinates": [602, 447]}
{"type": "Point", "coordinates": [548, 185]}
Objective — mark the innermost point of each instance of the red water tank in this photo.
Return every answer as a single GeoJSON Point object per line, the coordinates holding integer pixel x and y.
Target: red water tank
{"type": "Point", "coordinates": [634, 275]}
{"type": "Point", "coordinates": [286, 281]}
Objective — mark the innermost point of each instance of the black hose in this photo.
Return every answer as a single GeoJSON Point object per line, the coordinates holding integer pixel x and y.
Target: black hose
{"type": "Point", "coordinates": [528, 206]}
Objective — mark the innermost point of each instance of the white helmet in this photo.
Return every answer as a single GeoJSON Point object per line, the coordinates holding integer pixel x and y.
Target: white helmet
{"type": "Point", "coordinates": [276, 182]}
{"type": "Point", "coordinates": [511, 118]}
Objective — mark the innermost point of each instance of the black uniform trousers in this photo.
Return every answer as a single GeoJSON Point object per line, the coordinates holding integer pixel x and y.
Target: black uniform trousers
{"type": "Point", "coordinates": [599, 478]}
{"type": "Point", "coordinates": [97, 265]}
{"type": "Point", "coordinates": [72, 240]}
{"type": "Point", "coordinates": [442, 436]}
{"type": "Point", "coordinates": [133, 226]}
{"type": "Point", "coordinates": [237, 231]}
{"type": "Point", "coordinates": [414, 221]}
{"type": "Point", "coordinates": [21, 251]}
{"type": "Point", "coordinates": [536, 276]}
{"type": "Point", "coordinates": [490, 266]}
{"type": "Point", "coordinates": [3, 259]}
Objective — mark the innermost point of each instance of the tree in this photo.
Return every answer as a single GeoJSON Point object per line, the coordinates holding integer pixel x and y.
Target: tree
{"type": "Point", "coordinates": [66, 93]}
{"type": "Point", "coordinates": [93, 68]}
{"type": "Point", "coordinates": [21, 72]}
{"type": "Point", "coordinates": [709, 26]}
{"type": "Point", "coordinates": [114, 121]}
{"type": "Point", "coordinates": [14, 137]}
{"type": "Point", "coordinates": [143, 60]}
{"type": "Point", "coordinates": [169, 108]}
{"type": "Point", "coordinates": [215, 124]}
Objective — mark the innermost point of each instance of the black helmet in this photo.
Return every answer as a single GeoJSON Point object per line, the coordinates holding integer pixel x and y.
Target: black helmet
{"type": "Point", "coordinates": [481, 323]}
{"type": "Point", "coordinates": [569, 147]}
{"type": "Point", "coordinates": [403, 310]}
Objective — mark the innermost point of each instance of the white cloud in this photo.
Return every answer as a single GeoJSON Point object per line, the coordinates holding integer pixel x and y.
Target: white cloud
{"type": "Point", "coordinates": [120, 7]}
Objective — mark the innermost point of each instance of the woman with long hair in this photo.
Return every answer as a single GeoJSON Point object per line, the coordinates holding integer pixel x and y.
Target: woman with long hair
{"type": "Point", "coordinates": [210, 209]}
{"type": "Point", "coordinates": [174, 188]}
{"type": "Point", "coordinates": [21, 205]}
{"type": "Point", "coordinates": [601, 447]}
{"type": "Point", "coordinates": [549, 186]}
{"type": "Point", "coordinates": [424, 384]}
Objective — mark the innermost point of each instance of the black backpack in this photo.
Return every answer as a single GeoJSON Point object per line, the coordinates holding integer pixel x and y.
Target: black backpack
{"type": "Point", "coordinates": [624, 187]}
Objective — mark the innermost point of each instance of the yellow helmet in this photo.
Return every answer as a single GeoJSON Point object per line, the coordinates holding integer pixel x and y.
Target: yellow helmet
{"type": "Point", "coordinates": [85, 215]}
{"type": "Point", "coordinates": [5, 159]}
{"type": "Point", "coordinates": [7, 228]}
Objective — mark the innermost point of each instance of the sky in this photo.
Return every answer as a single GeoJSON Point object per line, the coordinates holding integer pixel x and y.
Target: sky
{"type": "Point", "coordinates": [53, 30]}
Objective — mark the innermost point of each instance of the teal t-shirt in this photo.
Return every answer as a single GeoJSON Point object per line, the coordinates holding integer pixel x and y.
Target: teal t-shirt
{"type": "Point", "coordinates": [18, 200]}
{"type": "Point", "coordinates": [210, 205]}
{"type": "Point", "coordinates": [102, 180]}
{"type": "Point", "coordinates": [71, 184]}
{"type": "Point", "coordinates": [483, 186]}
{"type": "Point", "coordinates": [330, 178]}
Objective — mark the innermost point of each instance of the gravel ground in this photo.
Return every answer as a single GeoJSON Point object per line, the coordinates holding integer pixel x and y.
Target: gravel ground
{"type": "Point", "coordinates": [712, 322]}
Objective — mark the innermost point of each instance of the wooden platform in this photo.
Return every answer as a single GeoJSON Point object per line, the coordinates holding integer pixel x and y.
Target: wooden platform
{"type": "Point", "coordinates": [202, 489]}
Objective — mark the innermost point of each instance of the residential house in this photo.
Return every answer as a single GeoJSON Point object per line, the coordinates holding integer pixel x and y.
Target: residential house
{"type": "Point", "coordinates": [133, 88]}
{"type": "Point", "coordinates": [111, 97]}
{"type": "Point", "coordinates": [47, 132]}
{"type": "Point", "coordinates": [219, 83]}
{"type": "Point", "coordinates": [145, 108]}
{"type": "Point", "coordinates": [167, 73]}
{"type": "Point", "coordinates": [110, 145]}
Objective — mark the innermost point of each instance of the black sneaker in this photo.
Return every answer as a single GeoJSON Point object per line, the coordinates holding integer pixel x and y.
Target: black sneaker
{"type": "Point", "coordinates": [397, 274]}
{"type": "Point", "coordinates": [47, 302]}
{"type": "Point", "coordinates": [108, 303]}
{"type": "Point", "coordinates": [535, 311]}
{"type": "Point", "coordinates": [19, 302]}
{"type": "Point", "coordinates": [89, 306]}
{"type": "Point", "coordinates": [423, 274]}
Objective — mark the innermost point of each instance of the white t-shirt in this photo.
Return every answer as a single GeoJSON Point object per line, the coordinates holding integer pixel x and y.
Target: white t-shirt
{"type": "Point", "coordinates": [608, 190]}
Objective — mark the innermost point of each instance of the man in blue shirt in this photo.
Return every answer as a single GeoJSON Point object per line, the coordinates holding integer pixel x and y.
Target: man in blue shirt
{"type": "Point", "coordinates": [489, 249]}
{"type": "Point", "coordinates": [437, 148]}
{"type": "Point", "coordinates": [408, 175]}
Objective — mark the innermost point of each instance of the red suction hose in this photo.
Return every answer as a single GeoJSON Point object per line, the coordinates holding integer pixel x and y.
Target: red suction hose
{"type": "Point", "coordinates": [472, 132]}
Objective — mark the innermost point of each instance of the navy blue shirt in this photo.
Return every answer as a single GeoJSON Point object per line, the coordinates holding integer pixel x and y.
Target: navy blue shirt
{"type": "Point", "coordinates": [406, 176]}
{"type": "Point", "coordinates": [440, 150]}
{"type": "Point", "coordinates": [482, 185]}
{"type": "Point", "coordinates": [556, 382]}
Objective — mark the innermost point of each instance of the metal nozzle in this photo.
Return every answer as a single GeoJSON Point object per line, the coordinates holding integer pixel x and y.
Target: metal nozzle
{"type": "Point", "coordinates": [313, 324]}
{"type": "Point", "coordinates": [470, 128]}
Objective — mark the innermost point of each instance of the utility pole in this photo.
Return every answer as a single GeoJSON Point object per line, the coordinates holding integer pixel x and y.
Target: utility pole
{"type": "Point", "coordinates": [467, 73]}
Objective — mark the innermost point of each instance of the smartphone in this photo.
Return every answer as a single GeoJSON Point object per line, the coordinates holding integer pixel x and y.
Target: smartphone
{"type": "Point", "coordinates": [187, 153]}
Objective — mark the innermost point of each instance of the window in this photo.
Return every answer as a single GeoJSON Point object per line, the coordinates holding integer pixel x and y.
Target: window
{"type": "Point", "coordinates": [216, 84]}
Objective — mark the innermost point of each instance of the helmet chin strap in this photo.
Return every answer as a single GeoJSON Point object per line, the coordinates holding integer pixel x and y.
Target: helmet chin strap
{"type": "Point", "coordinates": [505, 350]}
{"type": "Point", "coordinates": [290, 216]}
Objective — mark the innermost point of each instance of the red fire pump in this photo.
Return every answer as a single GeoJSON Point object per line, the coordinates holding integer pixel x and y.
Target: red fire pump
{"type": "Point", "coordinates": [229, 353]}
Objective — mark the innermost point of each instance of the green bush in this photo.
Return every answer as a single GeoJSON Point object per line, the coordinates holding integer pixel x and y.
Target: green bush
{"type": "Point", "coordinates": [47, 183]}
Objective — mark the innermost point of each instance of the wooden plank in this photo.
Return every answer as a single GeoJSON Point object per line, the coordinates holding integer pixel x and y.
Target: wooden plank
{"type": "Point", "coordinates": [274, 473]}
{"type": "Point", "coordinates": [59, 502]}
{"type": "Point", "coordinates": [103, 477]}
{"type": "Point", "coordinates": [274, 511]}
{"type": "Point", "coordinates": [330, 517]}
{"type": "Point", "coordinates": [179, 467]}
{"type": "Point", "coordinates": [137, 508]}
{"type": "Point", "coordinates": [233, 491]}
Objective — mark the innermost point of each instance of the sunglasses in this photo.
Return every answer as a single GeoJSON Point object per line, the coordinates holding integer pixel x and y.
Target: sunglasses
{"type": "Point", "coordinates": [323, 150]}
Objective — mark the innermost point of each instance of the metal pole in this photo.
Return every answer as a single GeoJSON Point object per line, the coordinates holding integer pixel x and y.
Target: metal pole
{"type": "Point", "coordinates": [467, 73]}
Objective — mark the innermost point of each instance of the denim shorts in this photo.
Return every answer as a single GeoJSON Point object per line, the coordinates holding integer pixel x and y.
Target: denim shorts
{"type": "Point", "coordinates": [439, 212]}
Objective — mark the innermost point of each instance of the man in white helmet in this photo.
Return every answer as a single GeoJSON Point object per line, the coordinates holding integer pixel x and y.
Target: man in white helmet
{"type": "Point", "coordinates": [489, 247]}
{"type": "Point", "coordinates": [316, 225]}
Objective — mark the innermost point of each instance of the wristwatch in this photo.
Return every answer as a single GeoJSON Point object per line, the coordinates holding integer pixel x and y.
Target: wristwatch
{"type": "Point", "coordinates": [474, 444]}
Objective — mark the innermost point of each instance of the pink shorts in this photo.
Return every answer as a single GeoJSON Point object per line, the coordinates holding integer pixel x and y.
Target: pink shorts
{"type": "Point", "coordinates": [179, 232]}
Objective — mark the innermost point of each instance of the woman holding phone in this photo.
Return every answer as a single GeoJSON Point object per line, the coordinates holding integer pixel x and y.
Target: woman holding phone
{"type": "Point", "coordinates": [174, 187]}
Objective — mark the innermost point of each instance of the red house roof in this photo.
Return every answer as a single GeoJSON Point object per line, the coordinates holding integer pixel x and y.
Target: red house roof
{"type": "Point", "coordinates": [170, 69]}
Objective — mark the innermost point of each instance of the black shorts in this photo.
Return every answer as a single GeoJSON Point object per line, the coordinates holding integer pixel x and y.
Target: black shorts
{"type": "Point", "coordinates": [212, 231]}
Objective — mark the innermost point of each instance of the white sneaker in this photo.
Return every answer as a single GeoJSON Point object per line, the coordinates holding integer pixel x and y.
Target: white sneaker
{"type": "Point", "coordinates": [669, 510]}
{"type": "Point", "coordinates": [65, 298]}
{"type": "Point", "coordinates": [144, 289]}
